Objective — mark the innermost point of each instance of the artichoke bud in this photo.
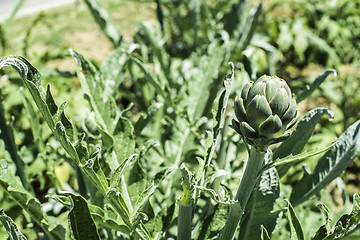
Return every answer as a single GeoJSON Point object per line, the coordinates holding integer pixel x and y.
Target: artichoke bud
{"type": "Point", "coordinates": [264, 111]}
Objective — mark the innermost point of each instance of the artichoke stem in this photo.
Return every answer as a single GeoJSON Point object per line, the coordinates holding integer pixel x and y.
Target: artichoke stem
{"type": "Point", "coordinates": [247, 184]}
{"type": "Point", "coordinates": [184, 221]}
{"type": "Point", "coordinates": [185, 205]}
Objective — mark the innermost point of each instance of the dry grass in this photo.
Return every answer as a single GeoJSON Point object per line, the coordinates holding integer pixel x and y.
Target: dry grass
{"type": "Point", "coordinates": [73, 27]}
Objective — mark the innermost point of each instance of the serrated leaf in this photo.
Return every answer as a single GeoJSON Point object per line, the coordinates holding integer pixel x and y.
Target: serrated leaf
{"type": "Point", "coordinates": [124, 141]}
{"type": "Point", "coordinates": [81, 221]}
{"type": "Point", "coordinates": [36, 127]}
{"type": "Point", "coordinates": [144, 196]}
{"type": "Point", "coordinates": [113, 67]}
{"type": "Point", "coordinates": [62, 127]}
{"type": "Point", "coordinates": [223, 101]}
{"type": "Point", "coordinates": [92, 169]}
{"type": "Point", "coordinates": [296, 142]}
{"type": "Point", "coordinates": [330, 166]}
{"type": "Point", "coordinates": [144, 120]}
{"type": "Point", "coordinates": [156, 42]}
{"type": "Point", "coordinates": [213, 223]}
{"type": "Point", "coordinates": [321, 233]}
{"type": "Point", "coordinates": [11, 228]}
{"type": "Point", "coordinates": [153, 80]}
{"type": "Point", "coordinates": [213, 138]}
{"type": "Point", "coordinates": [107, 217]}
{"type": "Point", "coordinates": [108, 141]}
{"type": "Point", "coordinates": [247, 30]}
{"type": "Point", "coordinates": [143, 232]}
{"type": "Point", "coordinates": [315, 85]}
{"type": "Point", "coordinates": [118, 202]}
{"type": "Point", "coordinates": [56, 121]}
{"type": "Point", "coordinates": [298, 157]}
{"type": "Point", "coordinates": [117, 131]}
{"type": "Point", "coordinates": [198, 73]}
{"type": "Point", "coordinates": [119, 172]}
{"type": "Point", "coordinates": [234, 19]}
{"type": "Point", "coordinates": [346, 225]}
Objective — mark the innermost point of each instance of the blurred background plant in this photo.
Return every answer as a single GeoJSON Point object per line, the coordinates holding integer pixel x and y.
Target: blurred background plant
{"type": "Point", "coordinates": [164, 63]}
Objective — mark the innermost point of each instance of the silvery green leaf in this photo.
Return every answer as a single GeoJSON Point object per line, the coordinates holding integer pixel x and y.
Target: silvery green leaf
{"type": "Point", "coordinates": [54, 116]}
{"type": "Point", "coordinates": [117, 131]}
{"type": "Point", "coordinates": [299, 137]}
{"type": "Point", "coordinates": [330, 166]}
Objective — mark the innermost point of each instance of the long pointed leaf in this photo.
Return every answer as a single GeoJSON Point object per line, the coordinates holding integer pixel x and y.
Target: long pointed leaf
{"type": "Point", "coordinates": [9, 148]}
{"type": "Point", "coordinates": [55, 118]}
{"type": "Point", "coordinates": [297, 158]}
{"type": "Point", "coordinates": [309, 90]}
{"type": "Point", "coordinates": [330, 166]}
{"type": "Point", "coordinates": [346, 225]}
{"type": "Point", "coordinates": [63, 129]}
{"type": "Point", "coordinates": [296, 229]}
{"type": "Point", "coordinates": [296, 142]}
{"type": "Point", "coordinates": [116, 130]}
{"type": "Point", "coordinates": [103, 19]}
{"type": "Point", "coordinates": [249, 28]}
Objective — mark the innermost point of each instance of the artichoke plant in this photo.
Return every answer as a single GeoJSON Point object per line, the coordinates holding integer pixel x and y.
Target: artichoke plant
{"type": "Point", "coordinates": [264, 111]}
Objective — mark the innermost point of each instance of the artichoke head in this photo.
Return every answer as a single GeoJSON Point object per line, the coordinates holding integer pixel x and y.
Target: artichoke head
{"type": "Point", "coordinates": [264, 111]}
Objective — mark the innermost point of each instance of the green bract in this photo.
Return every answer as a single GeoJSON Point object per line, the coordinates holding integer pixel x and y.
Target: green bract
{"type": "Point", "coordinates": [265, 110]}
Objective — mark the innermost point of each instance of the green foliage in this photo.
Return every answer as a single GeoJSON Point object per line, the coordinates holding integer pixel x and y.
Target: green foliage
{"type": "Point", "coordinates": [329, 166]}
{"type": "Point", "coordinates": [11, 228]}
{"type": "Point", "coordinates": [346, 225]}
{"type": "Point", "coordinates": [307, 92]}
{"type": "Point", "coordinates": [12, 186]}
{"type": "Point", "coordinates": [102, 18]}
{"type": "Point", "coordinates": [314, 31]}
{"type": "Point", "coordinates": [82, 224]}
{"type": "Point", "coordinates": [149, 153]}
{"type": "Point", "coordinates": [296, 229]}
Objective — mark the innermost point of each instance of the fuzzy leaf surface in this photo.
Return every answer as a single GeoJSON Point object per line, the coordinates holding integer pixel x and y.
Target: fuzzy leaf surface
{"type": "Point", "coordinates": [116, 129]}
{"type": "Point", "coordinates": [295, 226]}
{"type": "Point", "coordinates": [53, 115]}
{"type": "Point", "coordinates": [103, 19]}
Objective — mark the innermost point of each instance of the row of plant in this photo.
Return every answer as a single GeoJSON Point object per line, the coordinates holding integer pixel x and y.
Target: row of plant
{"type": "Point", "coordinates": [176, 136]}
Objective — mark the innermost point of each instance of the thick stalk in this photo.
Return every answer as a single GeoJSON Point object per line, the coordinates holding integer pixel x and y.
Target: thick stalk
{"type": "Point", "coordinates": [247, 184]}
{"type": "Point", "coordinates": [184, 221]}
{"type": "Point", "coordinates": [185, 205]}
